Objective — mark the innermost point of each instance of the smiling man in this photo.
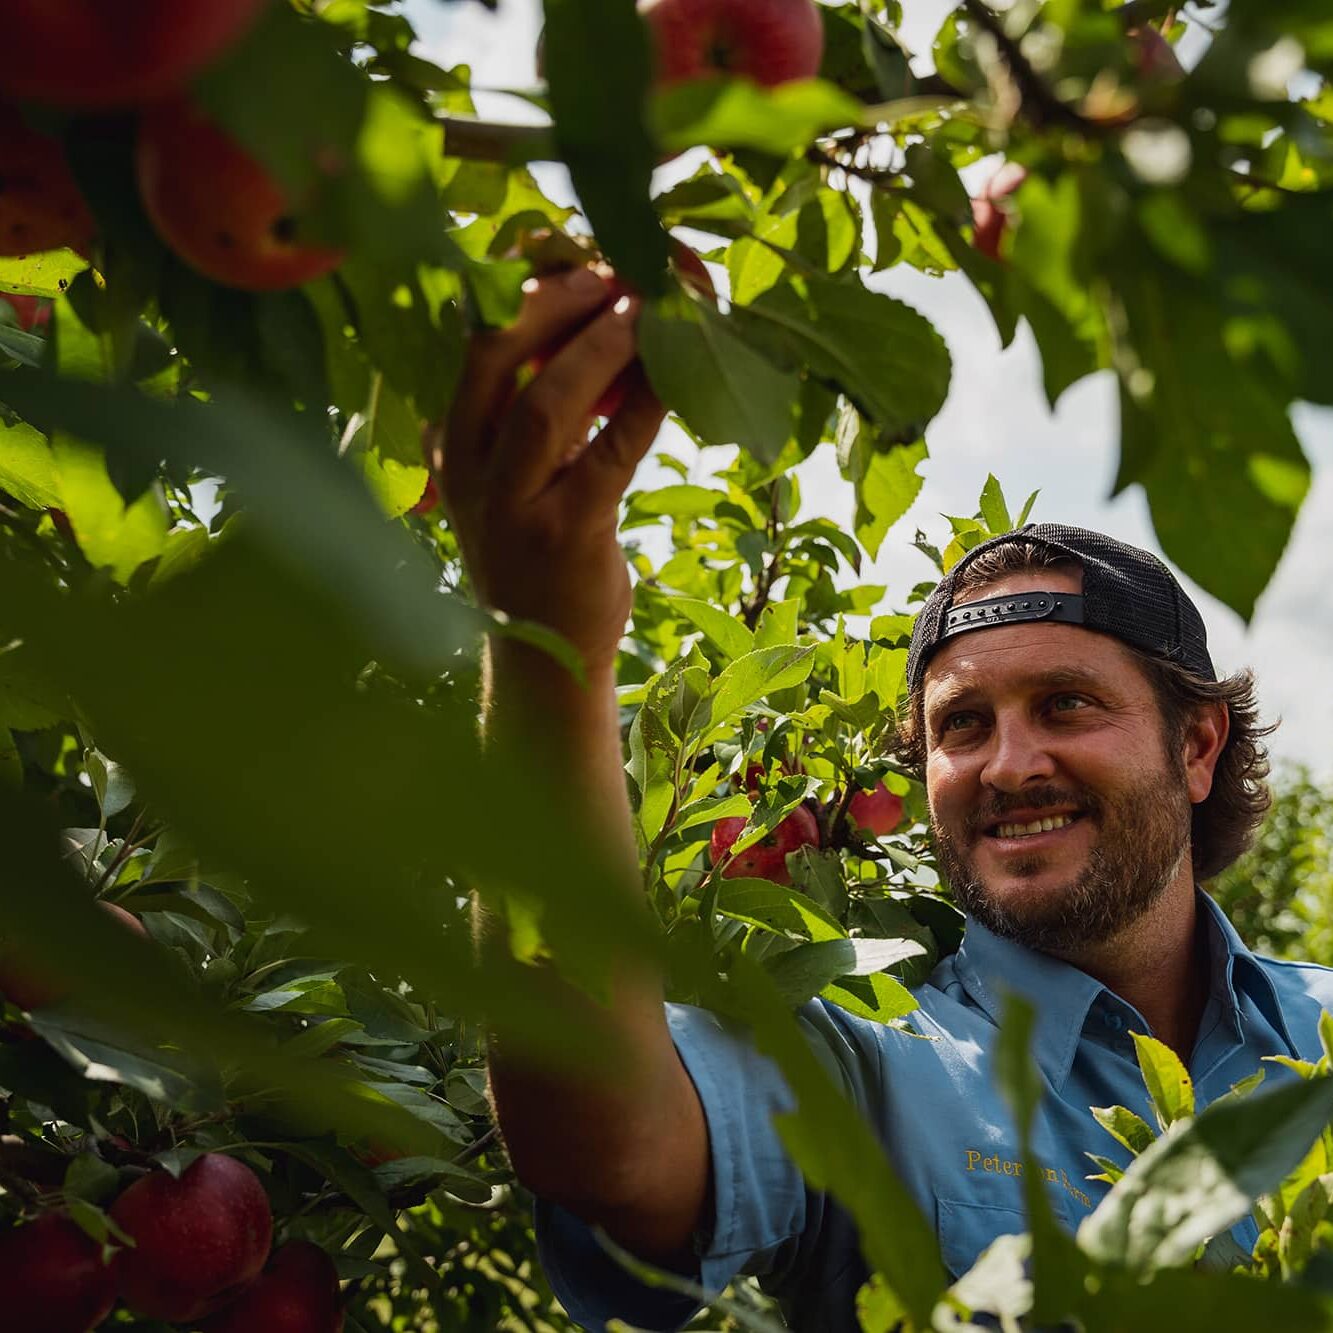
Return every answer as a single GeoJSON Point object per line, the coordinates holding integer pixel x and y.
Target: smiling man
{"type": "Point", "coordinates": [1086, 772]}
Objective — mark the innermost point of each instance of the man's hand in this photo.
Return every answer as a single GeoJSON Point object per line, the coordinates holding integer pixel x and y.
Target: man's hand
{"type": "Point", "coordinates": [535, 503]}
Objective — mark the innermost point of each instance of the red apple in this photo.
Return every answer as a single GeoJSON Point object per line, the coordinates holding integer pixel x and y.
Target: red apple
{"type": "Point", "coordinates": [877, 812]}
{"type": "Point", "coordinates": [990, 216]}
{"type": "Point", "coordinates": [769, 41]}
{"type": "Point", "coordinates": [52, 1278]}
{"type": "Point", "coordinates": [1154, 56]}
{"type": "Point", "coordinates": [32, 987]}
{"type": "Point", "coordinates": [29, 311]}
{"type": "Point", "coordinates": [218, 208]}
{"type": "Point", "coordinates": [297, 1293]}
{"type": "Point", "coordinates": [40, 205]}
{"type": "Point", "coordinates": [91, 53]}
{"type": "Point", "coordinates": [766, 859]}
{"type": "Point", "coordinates": [198, 1240]}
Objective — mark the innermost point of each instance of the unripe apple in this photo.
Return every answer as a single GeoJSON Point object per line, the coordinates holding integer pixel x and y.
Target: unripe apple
{"type": "Point", "coordinates": [52, 1278]}
{"type": "Point", "coordinates": [33, 987]}
{"type": "Point", "coordinates": [40, 205]}
{"type": "Point", "coordinates": [218, 208]}
{"type": "Point", "coordinates": [769, 41]}
{"type": "Point", "coordinates": [297, 1293]}
{"type": "Point", "coordinates": [198, 1240]}
{"type": "Point", "coordinates": [766, 859]}
{"type": "Point", "coordinates": [990, 216]}
{"type": "Point", "coordinates": [30, 312]}
{"type": "Point", "coordinates": [90, 53]}
{"type": "Point", "coordinates": [876, 812]}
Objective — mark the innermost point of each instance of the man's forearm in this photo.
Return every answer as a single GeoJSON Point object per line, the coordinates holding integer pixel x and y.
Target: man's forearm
{"type": "Point", "coordinates": [588, 1142]}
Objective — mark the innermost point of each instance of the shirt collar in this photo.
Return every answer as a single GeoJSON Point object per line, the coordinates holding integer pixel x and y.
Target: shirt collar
{"type": "Point", "coordinates": [1236, 971]}
{"type": "Point", "coordinates": [988, 966]}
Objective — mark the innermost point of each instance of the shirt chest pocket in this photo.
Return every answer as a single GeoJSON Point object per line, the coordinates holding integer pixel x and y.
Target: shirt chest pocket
{"type": "Point", "coordinates": [965, 1229]}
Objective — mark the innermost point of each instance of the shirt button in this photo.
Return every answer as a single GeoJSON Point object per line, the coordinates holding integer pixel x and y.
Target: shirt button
{"type": "Point", "coordinates": [1115, 1022]}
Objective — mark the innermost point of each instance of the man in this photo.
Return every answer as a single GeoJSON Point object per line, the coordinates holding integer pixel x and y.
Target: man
{"type": "Point", "coordinates": [1085, 771]}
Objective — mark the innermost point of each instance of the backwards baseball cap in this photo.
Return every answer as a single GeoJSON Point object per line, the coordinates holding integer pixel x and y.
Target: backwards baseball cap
{"type": "Point", "coordinates": [1127, 593]}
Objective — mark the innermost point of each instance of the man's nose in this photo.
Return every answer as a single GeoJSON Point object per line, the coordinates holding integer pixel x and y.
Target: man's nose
{"type": "Point", "coordinates": [1017, 755]}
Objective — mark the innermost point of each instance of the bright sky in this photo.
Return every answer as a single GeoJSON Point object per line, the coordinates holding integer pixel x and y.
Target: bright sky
{"type": "Point", "coordinates": [996, 420]}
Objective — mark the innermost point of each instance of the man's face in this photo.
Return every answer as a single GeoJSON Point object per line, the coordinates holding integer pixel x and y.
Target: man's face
{"type": "Point", "coordinates": [1059, 814]}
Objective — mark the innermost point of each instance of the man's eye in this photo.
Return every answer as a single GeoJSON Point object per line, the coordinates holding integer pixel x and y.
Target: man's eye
{"type": "Point", "coordinates": [1068, 703]}
{"type": "Point", "coordinates": [958, 721]}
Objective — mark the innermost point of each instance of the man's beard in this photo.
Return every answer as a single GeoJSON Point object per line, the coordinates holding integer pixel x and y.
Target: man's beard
{"type": "Point", "coordinates": [1142, 835]}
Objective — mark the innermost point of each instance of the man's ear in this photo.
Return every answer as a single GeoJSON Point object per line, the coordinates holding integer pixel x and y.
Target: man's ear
{"type": "Point", "coordinates": [1205, 739]}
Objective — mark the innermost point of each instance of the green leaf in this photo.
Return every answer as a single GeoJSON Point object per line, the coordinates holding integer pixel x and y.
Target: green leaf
{"type": "Point", "coordinates": [602, 128]}
{"type": "Point", "coordinates": [111, 534]}
{"type": "Point", "coordinates": [725, 391]}
{"type": "Point", "coordinates": [882, 354]}
{"type": "Point", "coordinates": [47, 274]}
{"type": "Point", "coordinates": [1167, 1080]}
{"type": "Point", "coordinates": [993, 508]}
{"type": "Point", "coordinates": [738, 113]}
{"type": "Point", "coordinates": [1125, 1127]}
{"type": "Point", "coordinates": [879, 998]}
{"type": "Point", "coordinates": [724, 630]}
{"type": "Point", "coordinates": [808, 969]}
{"type": "Point", "coordinates": [885, 476]}
{"type": "Point", "coordinates": [1206, 432]}
{"type": "Point", "coordinates": [775, 907]}
{"type": "Point", "coordinates": [878, 1310]}
{"type": "Point", "coordinates": [27, 467]}
{"type": "Point", "coordinates": [748, 679]}
{"type": "Point", "coordinates": [26, 348]}
{"type": "Point", "coordinates": [708, 810]}
{"type": "Point", "coordinates": [1200, 1178]}
{"type": "Point", "coordinates": [88, 1177]}
{"type": "Point", "coordinates": [112, 785]}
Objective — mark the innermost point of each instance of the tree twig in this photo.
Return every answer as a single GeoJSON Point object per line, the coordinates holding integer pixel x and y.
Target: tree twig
{"type": "Point", "coordinates": [497, 141]}
{"type": "Point", "coordinates": [1040, 105]}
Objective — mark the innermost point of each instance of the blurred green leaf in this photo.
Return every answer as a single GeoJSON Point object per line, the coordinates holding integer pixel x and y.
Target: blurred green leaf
{"type": "Point", "coordinates": [601, 125]}
{"type": "Point", "coordinates": [1201, 1177]}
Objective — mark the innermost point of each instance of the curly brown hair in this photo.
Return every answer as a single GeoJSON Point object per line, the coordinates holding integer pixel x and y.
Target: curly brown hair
{"type": "Point", "coordinates": [1225, 822]}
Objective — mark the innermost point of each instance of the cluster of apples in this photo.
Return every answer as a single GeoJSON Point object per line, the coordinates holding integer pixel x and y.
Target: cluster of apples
{"type": "Point", "coordinates": [874, 814]}
{"type": "Point", "coordinates": [200, 1252]}
{"type": "Point", "coordinates": [212, 203]}
{"type": "Point", "coordinates": [200, 1257]}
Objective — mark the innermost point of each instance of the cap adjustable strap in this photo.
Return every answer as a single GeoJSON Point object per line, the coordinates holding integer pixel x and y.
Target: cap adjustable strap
{"type": "Point", "coordinates": [1061, 606]}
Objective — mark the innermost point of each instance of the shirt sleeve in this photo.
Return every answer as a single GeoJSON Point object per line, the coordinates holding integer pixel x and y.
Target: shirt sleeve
{"type": "Point", "coordinates": [763, 1214]}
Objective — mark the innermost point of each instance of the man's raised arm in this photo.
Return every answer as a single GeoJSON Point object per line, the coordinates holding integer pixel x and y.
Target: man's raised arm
{"type": "Point", "coordinates": [535, 510]}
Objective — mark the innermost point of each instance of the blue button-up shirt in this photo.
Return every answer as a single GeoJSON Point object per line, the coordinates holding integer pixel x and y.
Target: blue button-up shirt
{"type": "Point", "coordinates": [940, 1117]}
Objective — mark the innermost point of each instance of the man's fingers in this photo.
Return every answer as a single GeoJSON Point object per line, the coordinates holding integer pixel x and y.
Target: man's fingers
{"type": "Point", "coordinates": [548, 420]}
{"type": "Point", "coordinates": [606, 468]}
{"type": "Point", "coordinates": [552, 306]}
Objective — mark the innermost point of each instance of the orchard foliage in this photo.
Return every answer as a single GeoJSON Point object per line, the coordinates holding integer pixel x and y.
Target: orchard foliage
{"type": "Point", "coordinates": [238, 656]}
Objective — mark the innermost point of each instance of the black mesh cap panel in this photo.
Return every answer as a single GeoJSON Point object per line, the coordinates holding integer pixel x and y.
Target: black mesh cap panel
{"type": "Point", "coordinates": [1127, 593]}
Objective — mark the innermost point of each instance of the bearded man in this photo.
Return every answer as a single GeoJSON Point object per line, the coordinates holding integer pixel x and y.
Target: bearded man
{"type": "Point", "coordinates": [1086, 772]}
